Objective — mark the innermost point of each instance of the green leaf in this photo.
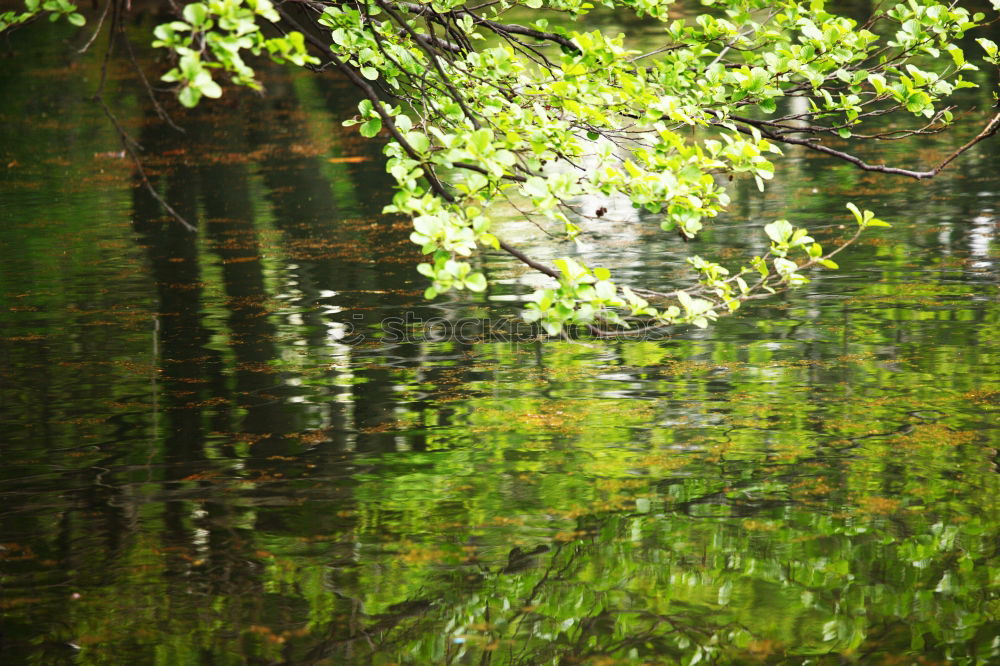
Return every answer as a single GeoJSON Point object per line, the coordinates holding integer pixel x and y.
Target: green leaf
{"type": "Point", "coordinates": [371, 127]}
{"type": "Point", "coordinates": [418, 141]}
{"type": "Point", "coordinates": [779, 231]}
{"type": "Point", "coordinates": [189, 96]}
{"type": "Point", "coordinates": [988, 45]}
{"type": "Point", "coordinates": [857, 213]}
{"type": "Point", "coordinates": [475, 181]}
{"type": "Point", "coordinates": [476, 282]}
{"type": "Point", "coordinates": [209, 88]}
{"type": "Point", "coordinates": [536, 186]}
{"type": "Point", "coordinates": [195, 13]}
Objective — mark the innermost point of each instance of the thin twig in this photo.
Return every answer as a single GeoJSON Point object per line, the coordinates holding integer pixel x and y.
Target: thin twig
{"type": "Point", "coordinates": [97, 30]}
{"type": "Point", "coordinates": [160, 111]}
{"type": "Point", "coordinates": [127, 143]}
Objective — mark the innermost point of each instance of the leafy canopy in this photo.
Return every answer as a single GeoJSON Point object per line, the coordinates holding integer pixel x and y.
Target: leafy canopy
{"type": "Point", "coordinates": [483, 113]}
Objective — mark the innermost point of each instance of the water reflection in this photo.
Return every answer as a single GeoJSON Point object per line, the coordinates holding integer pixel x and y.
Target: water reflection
{"type": "Point", "coordinates": [200, 467]}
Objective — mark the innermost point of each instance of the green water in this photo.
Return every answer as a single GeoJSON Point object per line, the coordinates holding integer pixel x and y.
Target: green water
{"type": "Point", "coordinates": [216, 450]}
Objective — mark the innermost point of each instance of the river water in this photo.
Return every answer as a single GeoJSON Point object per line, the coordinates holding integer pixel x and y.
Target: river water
{"type": "Point", "coordinates": [258, 444]}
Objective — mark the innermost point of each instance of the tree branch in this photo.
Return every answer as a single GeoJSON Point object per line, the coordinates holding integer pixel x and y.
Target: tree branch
{"type": "Point", "coordinates": [510, 28]}
{"type": "Point", "coordinates": [377, 105]}
{"type": "Point", "coordinates": [991, 128]}
{"type": "Point", "coordinates": [525, 259]}
{"type": "Point", "coordinates": [425, 47]}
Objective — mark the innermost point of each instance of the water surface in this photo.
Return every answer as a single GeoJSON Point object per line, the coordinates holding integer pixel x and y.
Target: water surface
{"type": "Point", "coordinates": [216, 451]}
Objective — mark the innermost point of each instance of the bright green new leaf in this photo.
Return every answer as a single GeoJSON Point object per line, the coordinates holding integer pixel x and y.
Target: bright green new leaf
{"type": "Point", "coordinates": [371, 127]}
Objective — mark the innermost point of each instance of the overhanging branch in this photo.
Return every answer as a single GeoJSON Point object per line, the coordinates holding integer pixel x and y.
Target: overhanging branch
{"type": "Point", "coordinates": [991, 128]}
{"type": "Point", "coordinates": [494, 26]}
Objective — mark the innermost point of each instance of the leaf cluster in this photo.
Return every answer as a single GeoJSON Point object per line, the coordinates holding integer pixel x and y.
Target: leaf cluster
{"type": "Point", "coordinates": [485, 116]}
